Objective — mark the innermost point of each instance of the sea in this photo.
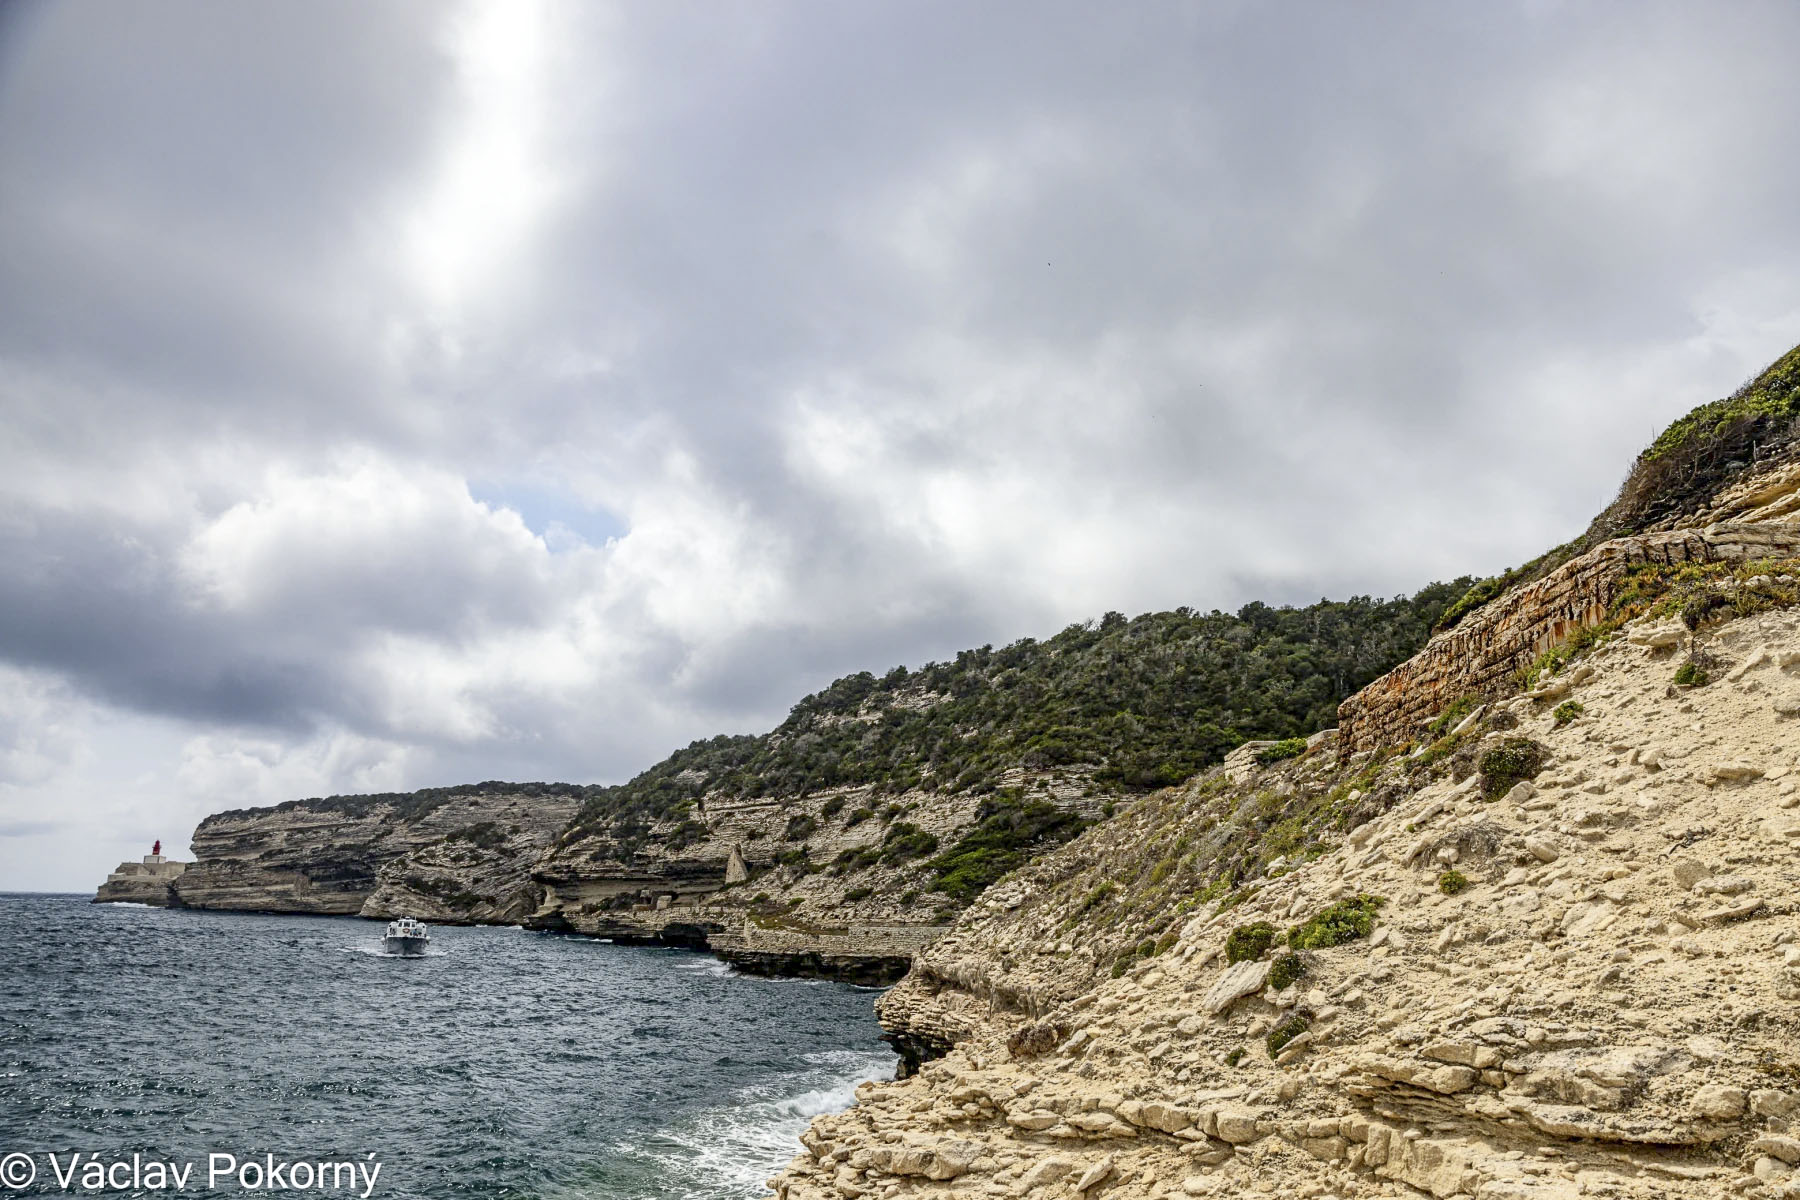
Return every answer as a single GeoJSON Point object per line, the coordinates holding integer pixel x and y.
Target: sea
{"type": "Point", "coordinates": [504, 1064]}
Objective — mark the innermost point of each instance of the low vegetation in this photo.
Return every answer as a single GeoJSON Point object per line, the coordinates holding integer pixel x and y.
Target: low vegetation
{"type": "Point", "coordinates": [1512, 762]}
{"type": "Point", "coordinates": [1285, 971]}
{"type": "Point", "coordinates": [1345, 921]}
{"type": "Point", "coordinates": [1008, 830]}
{"type": "Point", "coordinates": [1248, 942]}
{"type": "Point", "coordinates": [1285, 748]}
{"type": "Point", "coordinates": [1284, 1033]}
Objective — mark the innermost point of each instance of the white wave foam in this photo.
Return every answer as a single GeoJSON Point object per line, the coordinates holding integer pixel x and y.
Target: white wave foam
{"type": "Point", "coordinates": [729, 1151]}
{"type": "Point", "coordinates": [378, 952]}
{"type": "Point", "coordinates": [709, 966]}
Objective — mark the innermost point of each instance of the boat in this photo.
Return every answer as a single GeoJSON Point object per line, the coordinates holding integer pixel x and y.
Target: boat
{"type": "Point", "coordinates": [406, 937]}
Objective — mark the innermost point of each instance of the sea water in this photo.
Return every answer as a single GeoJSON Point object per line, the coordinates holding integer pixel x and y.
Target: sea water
{"type": "Point", "coordinates": [505, 1063]}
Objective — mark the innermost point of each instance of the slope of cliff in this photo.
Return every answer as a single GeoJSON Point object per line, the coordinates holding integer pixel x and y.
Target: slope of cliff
{"type": "Point", "coordinates": [1553, 952]}
{"type": "Point", "coordinates": [1522, 928]}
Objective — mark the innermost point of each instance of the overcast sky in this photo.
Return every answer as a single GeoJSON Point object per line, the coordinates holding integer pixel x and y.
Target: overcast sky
{"type": "Point", "coordinates": [396, 395]}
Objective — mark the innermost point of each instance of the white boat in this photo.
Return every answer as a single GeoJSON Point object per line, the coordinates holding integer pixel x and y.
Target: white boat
{"type": "Point", "coordinates": [406, 937]}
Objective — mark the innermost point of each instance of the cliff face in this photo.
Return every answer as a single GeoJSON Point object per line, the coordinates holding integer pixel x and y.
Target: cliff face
{"type": "Point", "coordinates": [1482, 654]}
{"type": "Point", "coordinates": [449, 857]}
{"type": "Point", "coordinates": [848, 837]}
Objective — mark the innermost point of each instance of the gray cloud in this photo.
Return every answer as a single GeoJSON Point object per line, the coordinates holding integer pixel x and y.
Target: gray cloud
{"type": "Point", "coordinates": [408, 394]}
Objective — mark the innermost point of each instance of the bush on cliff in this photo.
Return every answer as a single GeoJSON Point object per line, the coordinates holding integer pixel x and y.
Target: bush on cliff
{"type": "Point", "coordinates": [1284, 749]}
{"type": "Point", "coordinates": [1512, 762]}
{"type": "Point", "coordinates": [1008, 831]}
{"type": "Point", "coordinates": [1345, 921]}
{"type": "Point", "coordinates": [1248, 942]}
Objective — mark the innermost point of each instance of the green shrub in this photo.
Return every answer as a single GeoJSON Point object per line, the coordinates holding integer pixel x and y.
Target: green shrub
{"type": "Point", "coordinates": [1567, 711]}
{"type": "Point", "coordinates": [1284, 1033]}
{"type": "Point", "coordinates": [1345, 921]}
{"type": "Point", "coordinates": [1236, 1056]}
{"type": "Point", "coordinates": [1285, 970]}
{"type": "Point", "coordinates": [858, 893]}
{"type": "Point", "coordinates": [1247, 942]}
{"type": "Point", "coordinates": [1700, 607]}
{"type": "Point", "coordinates": [858, 816]}
{"type": "Point", "coordinates": [1101, 891]}
{"type": "Point", "coordinates": [831, 807]}
{"type": "Point", "coordinates": [1008, 830]}
{"type": "Point", "coordinates": [800, 828]}
{"type": "Point", "coordinates": [905, 841]}
{"type": "Point", "coordinates": [1690, 674]}
{"type": "Point", "coordinates": [1511, 762]}
{"type": "Point", "coordinates": [1451, 717]}
{"type": "Point", "coordinates": [1452, 882]}
{"type": "Point", "coordinates": [1286, 748]}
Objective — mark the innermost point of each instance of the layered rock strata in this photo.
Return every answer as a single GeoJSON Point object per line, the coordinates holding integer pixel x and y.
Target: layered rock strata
{"type": "Point", "coordinates": [1585, 983]}
{"type": "Point", "coordinates": [1483, 653]}
{"type": "Point", "coordinates": [459, 858]}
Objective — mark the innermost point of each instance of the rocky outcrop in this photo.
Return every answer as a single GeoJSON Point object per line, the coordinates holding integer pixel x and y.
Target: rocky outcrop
{"type": "Point", "coordinates": [1482, 654]}
{"type": "Point", "coordinates": [1755, 514]}
{"type": "Point", "coordinates": [150, 881]}
{"type": "Point", "coordinates": [453, 856]}
{"type": "Point", "coordinates": [1581, 983]}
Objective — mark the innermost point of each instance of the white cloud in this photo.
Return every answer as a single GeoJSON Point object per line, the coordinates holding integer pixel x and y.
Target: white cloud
{"type": "Point", "coordinates": [800, 345]}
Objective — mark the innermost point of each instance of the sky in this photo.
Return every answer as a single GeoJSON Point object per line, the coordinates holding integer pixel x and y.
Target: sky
{"type": "Point", "coordinates": [408, 394]}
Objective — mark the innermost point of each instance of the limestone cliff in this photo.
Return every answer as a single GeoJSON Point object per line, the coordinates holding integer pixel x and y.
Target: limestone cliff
{"type": "Point", "coordinates": [845, 839]}
{"type": "Point", "coordinates": [447, 855]}
{"type": "Point", "coordinates": [835, 884]}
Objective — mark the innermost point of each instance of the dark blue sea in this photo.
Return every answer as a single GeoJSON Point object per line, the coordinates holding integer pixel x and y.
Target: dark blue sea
{"type": "Point", "coordinates": [506, 1064]}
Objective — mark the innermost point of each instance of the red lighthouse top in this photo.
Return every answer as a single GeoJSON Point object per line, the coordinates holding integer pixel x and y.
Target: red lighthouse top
{"type": "Point", "coordinates": [157, 849]}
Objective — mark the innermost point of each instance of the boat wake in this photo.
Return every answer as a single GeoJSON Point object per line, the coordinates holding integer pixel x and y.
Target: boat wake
{"type": "Point", "coordinates": [378, 952]}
